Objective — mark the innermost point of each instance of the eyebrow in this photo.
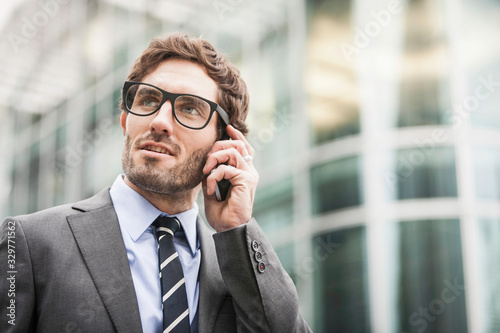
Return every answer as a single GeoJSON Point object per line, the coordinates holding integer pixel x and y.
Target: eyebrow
{"type": "Point", "coordinates": [147, 90]}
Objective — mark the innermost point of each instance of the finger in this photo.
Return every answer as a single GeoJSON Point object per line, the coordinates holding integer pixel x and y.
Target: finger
{"type": "Point", "coordinates": [237, 135]}
{"type": "Point", "coordinates": [228, 156]}
{"type": "Point", "coordinates": [221, 172]}
{"type": "Point", "coordinates": [204, 185]}
{"type": "Point", "coordinates": [225, 144]}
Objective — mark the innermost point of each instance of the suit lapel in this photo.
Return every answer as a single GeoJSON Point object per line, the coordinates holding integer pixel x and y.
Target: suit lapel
{"type": "Point", "coordinates": [212, 287]}
{"type": "Point", "coordinates": [99, 238]}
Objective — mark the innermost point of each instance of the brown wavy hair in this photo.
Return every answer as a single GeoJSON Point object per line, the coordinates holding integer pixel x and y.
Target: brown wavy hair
{"type": "Point", "coordinates": [232, 95]}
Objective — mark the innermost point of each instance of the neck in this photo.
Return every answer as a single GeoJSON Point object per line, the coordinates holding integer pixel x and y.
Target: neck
{"type": "Point", "coordinates": [168, 203]}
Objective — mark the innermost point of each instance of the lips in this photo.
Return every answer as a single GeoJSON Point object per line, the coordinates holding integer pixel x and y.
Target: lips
{"type": "Point", "coordinates": [157, 149]}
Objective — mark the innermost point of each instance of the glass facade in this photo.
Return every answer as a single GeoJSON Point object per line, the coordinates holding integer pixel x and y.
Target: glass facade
{"type": "Point", "coordinates": [330, 81]}
{"type": "Point", "coordinates": [424, 88]}
{"type": "Point", "coordinates": [430, 279]}
{"type": "Point", "coordinates": [489, 249]}
{"type": "Point", "coordinates": [274, 206]}
{"type": "Point", "coordinates": [336, 184]}
{"type": "Point", "coordinates": [487, 173]}
{"type": "Point", "coordinates": [375, 125]}
{"type": "Point", "coordinates": [342, 297]}
{"type": "Point", "coordinates": [426, 173]}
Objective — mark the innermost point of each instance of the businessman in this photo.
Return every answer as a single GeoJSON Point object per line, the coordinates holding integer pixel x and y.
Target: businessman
{"type": "Point", "coordinates": [137, 257]}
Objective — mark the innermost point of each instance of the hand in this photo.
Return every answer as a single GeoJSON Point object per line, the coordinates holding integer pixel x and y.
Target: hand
{"type": "Point", "coordinates": [237, 208]}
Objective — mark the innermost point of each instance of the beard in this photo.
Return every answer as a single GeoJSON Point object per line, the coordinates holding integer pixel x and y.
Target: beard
{"type": "Point", "coordinates": [173, 181]}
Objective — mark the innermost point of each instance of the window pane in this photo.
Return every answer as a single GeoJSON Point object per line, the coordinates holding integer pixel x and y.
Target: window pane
{"type": "Point", "coordinates": [483, 99]}
{"type": "Point", "coordinates": [430, 288]}
{"type": "Point", "coordinates": [341, 282]}
{"type": "Point", "coordinates": [426, 173]}
{"type": "Point", "coordinates": [285, 253]}
{"type": "Point", "coordinates": [424, 89]}
{"type": "Point", "coordinates": [34, 177]}
{"type": "Point", "coordinates": [273, 206]}
{"type": "Point", "coordinates": [487, 173]}
{"type": "Point", "coordinates": [336, 184]}
{"type": "Point", "coordinates": [480, 24]}
{"type": "Point", "coordinates": [330, 80]}
{"type": "Point", "coordinates": [422, 102]}
{"type": "Point", "coordinates": [116, 99]}
{"type": "Point", "coordinates": [489, 251]}
{"type": "Point", "coordinates": [60, 164]}
{"type": "Point", "coordinates": [272, 119]}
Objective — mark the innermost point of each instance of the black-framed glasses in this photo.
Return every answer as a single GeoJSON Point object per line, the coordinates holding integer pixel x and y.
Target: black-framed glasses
{"type": "Point", "coordinates": [191, 111]}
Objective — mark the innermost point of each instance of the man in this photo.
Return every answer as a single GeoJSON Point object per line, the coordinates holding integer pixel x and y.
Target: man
{"type": "Point", "coordinates": [109, 264]}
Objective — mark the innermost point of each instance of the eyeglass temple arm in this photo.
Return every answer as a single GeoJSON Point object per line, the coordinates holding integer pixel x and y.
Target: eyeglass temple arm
{"type": "Point", "coordinates": [223, 114]}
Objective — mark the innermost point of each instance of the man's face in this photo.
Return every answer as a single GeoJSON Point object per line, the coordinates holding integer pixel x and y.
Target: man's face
{"type": "Point", "coordinates": [161, 155]}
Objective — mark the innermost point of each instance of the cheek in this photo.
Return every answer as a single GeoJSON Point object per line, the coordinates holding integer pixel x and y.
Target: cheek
{"type": "Point", "coordinates": [136, 125]}
{"type": "Point", "coordinates": [200, 140]}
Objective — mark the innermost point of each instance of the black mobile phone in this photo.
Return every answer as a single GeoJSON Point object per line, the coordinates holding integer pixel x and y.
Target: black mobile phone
{"type": "Point", "coordinates": [223, 186]}
{"type": "Point", "coordinates": [221, 189]}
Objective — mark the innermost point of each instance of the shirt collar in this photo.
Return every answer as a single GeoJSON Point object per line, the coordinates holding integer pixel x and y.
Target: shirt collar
{"type": "Point", "coordinates": [136, 214]}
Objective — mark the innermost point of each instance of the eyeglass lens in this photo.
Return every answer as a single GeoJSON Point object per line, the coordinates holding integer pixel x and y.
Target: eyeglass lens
{"type": "Point", "coordinates": [190, 111]}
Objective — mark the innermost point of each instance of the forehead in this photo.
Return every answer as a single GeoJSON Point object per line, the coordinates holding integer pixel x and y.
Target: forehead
{"type": "Point", "coordinates": [183, 76]}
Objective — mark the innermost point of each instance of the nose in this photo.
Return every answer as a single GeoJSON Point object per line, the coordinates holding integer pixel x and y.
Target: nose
{"type": "Point", "coordinates": [163, 120]}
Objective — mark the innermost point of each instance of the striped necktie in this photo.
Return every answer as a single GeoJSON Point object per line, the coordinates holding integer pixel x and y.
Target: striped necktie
{"type": "Point", "coordinates": [173, 290]}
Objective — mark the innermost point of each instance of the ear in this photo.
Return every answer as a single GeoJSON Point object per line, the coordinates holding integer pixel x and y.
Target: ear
{"type": "Point", "coordinates": [123, 121]}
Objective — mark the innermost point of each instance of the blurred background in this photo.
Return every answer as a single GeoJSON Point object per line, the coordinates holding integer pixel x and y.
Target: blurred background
{"type": "Point", "coordinates": [376, 126]}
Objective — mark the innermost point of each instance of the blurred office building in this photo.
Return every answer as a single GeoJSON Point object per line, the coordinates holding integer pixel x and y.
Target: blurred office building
{"type": "Point", "coordinates": [376, 126]}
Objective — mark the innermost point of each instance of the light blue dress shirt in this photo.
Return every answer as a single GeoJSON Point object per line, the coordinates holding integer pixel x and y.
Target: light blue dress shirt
{"type": "Point", "coordinates": [135, 215]}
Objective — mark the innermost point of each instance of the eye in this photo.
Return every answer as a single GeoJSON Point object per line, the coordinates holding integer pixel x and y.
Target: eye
{"type": "Point", "coordinates": [149, 102]}
{"type": "Point", "coordinates": [147, 99]}
{"type": "Point", "coordinates": [192, 107]}
{"type": "Point", "coordinates": [189, 109]}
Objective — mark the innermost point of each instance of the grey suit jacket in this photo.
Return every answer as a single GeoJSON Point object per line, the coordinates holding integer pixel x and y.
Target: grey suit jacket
{"type": "Point", "coordinates": [67, 271]}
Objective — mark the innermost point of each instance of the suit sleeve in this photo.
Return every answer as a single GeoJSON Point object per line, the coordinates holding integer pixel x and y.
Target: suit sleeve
{"type": "Point", "coordinates": [264, 296]}
{"type": "Point", "coordinates": [17, 295]}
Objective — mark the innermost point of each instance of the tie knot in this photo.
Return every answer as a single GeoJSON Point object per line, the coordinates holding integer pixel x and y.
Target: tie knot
{"type": "Point", "coordinates": [165, 224]}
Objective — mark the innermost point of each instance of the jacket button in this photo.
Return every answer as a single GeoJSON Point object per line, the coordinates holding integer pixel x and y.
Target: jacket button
{"type": "Point", "coordinates": [258, 256]}
{"type": "Point", "coordinates": [255, 245]}
{"type": "Point", "coordinates": [261, 267]}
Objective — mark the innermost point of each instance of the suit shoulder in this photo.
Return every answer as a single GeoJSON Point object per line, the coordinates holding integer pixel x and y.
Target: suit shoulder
{"type": "Point", "coordinates": [58, 214]}
{"type": "Point", "coordinates": [46, 214]}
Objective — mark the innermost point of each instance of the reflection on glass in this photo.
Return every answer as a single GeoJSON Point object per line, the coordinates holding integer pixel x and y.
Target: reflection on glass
{"type": "Point", "coordinates": [120, 57]}
{"type": "Point", "coordinates": [487, 173]}
{"type": "Point", "coordinates": [424, 94]}
{"type": "Point", "coordinates": [330, 81]}
{"type": "Point", "coordinates": [336, 184]}
{"type": "Point", "coordinates": [117, 93]}
{"type": "Point", "coordinates": [480, 24]}
{"type": "Point", "coordinates": [285, 253]}
{"type": "Point", "coordinates": [20, 183]}
{"type": "Point", "coordinates": [431, 284]}
{"type": "Point", "coordinates": [34, 177]}
{"type": "Point", "coordinates": [341, 282]}
{"type": "Point", "coordinates": [421, 103]}
{"type": "Point", "coordinates": [60, 164]}
{"type": "Point", "coordinates": [483, 100]}
{"type": "Point", "coordinates": [271, 115]}
{"type": "Point", "coordinates": [489, 251]}
{"type": "Point", "coordinates": [91, 118]}
{"type": "Point", "coordinates": [425, 173]}
{"type": "Point", "coordinates": [273, 206]}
